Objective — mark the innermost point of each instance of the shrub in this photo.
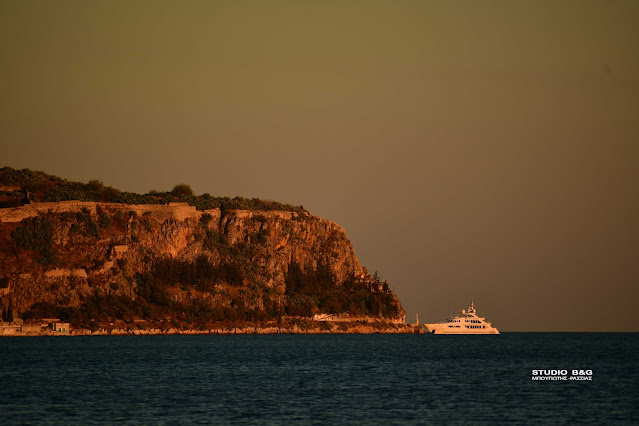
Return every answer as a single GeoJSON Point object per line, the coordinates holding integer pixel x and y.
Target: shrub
{"type": "Point", "coordinates": [85, 224]}
{"type": "Point", "coordinates": [121, 263]}
{"type": "Point", "coordinates": [262, 236]}
{"type": "Point", "coordinates": [109, 194]}
{"type": "Point", "coordinates": [42, 310]}
{"type": "Point", "coordinates": [104, 220]}
{"type": "Point", "coordinates": [36, 234]}
{"type": "Point", "coordinates": [214, 240]}
{"type": "Point", "coordinates": [40, 186]}
{"type": "Point", "coordinates": [205, 219]}
{"type": "Point", "coordinates": [147, 224]}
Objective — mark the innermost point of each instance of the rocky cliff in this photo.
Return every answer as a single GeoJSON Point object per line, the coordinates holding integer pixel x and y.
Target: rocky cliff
{"type": "Point", "coordinates": [97, 262]}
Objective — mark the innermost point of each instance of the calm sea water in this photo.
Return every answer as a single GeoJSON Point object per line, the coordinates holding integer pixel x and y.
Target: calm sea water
{"type": "Point", "coordinates": [329, 379]}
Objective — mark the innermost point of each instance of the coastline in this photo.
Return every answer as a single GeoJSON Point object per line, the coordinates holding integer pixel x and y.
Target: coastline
{"type": "Point", "coordinates": [304, 327]}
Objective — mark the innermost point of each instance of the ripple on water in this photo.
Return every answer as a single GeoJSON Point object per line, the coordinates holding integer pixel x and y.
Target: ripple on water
{"type": "Point", "coordinates": [372, 379]}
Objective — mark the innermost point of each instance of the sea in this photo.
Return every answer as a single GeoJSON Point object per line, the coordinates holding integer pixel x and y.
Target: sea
{"type": "Point", "coordinates": [320, 379]}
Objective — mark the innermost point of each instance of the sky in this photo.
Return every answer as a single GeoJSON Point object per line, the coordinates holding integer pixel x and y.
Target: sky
{"type": "Point", "coordinates": [471, 150]}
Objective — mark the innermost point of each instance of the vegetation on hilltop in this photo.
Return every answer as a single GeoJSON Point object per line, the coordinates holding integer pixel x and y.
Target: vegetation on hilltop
{"type": "Point", "coordinates": [45, 187]}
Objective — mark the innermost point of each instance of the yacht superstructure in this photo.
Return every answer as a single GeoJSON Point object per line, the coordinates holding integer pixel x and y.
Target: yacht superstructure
{"type": "Point", "coordinates": [467, 322]}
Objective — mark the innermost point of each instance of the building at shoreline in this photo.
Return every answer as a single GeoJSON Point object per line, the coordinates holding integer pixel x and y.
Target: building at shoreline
{"type": "Point", "coordinates": [41, 328]}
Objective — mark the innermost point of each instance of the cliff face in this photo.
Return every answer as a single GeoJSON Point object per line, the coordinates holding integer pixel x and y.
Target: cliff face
{"type": "Point", "coordinates": [68, 256]}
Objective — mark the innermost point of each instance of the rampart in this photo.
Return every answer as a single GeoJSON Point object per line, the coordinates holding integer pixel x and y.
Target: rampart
{"type": "Point", "coordinates": [176, 211]}
{"type": "Point", "coordinates": [160, 212]}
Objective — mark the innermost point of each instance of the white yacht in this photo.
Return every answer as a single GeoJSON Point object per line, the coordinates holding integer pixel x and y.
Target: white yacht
{"type": "Point", "coordinates": [467, 322]}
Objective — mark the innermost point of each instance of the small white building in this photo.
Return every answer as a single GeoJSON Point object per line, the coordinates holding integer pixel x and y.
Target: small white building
{"type": "Point", "coordinates": [61, 328]}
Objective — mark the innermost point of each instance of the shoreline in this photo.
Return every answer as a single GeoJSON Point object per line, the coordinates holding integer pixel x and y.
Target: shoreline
{"type": "Point", "coordinates": [239, 329]}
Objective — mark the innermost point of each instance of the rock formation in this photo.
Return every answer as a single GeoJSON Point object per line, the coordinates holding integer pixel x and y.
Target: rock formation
{"type": "Point", "coordinates": [96, 262]}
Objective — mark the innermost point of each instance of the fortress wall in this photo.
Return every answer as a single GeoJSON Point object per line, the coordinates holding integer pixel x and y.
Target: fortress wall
{"type": "Point", "coordinates": [161, 212]}
{"type": "Point", "coordinates": [246, 214]}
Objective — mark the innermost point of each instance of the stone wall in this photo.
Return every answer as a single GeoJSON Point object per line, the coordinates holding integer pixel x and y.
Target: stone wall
{"type": "Point", "coordinates": [161, 212]}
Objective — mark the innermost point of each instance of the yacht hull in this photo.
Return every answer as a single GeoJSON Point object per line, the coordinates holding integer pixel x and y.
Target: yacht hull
{"type": "Point", "coordinates": [445, 329]}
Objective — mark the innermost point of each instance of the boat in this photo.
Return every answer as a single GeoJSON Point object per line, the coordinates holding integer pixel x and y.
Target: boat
{"type": "Point", "coordinates": [467, 322]}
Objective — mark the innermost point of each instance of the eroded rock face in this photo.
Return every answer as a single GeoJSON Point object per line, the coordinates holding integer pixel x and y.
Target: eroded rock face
{"type": "Point", "coordinates": [107, 259]}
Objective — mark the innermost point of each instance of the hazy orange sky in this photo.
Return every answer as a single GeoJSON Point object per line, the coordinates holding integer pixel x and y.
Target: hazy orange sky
{"type": "Point", "coordinates": [476, 149]}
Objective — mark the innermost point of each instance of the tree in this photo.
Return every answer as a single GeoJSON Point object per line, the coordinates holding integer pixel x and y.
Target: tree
{"type": "Point", "coordinates": [94, 185]}
{"type": "Point", "coordinates": [182, 189]}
